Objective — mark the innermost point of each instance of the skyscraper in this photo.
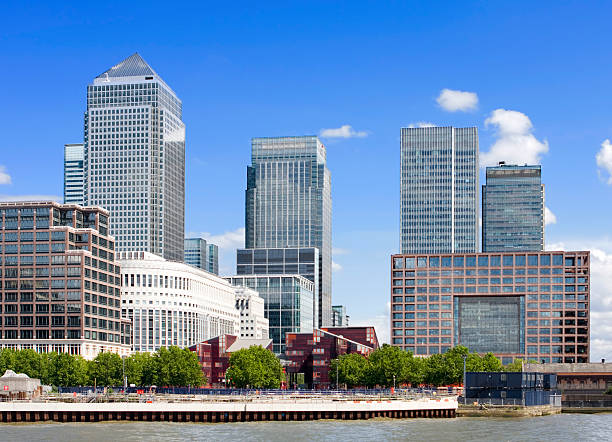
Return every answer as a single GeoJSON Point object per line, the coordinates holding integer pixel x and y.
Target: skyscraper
{"type": "Point", "coordinates": [513, 209]}
{"type": "Point", "coordinates": [288, 203]}
{"type": "Point", "coordinates": [439, 190]}
{"type": "Point", "coordinates": [73, 173]}
{"type": "Point", "coordinates": [202, 254]}
{"type": "Point", "coordinates": [135, 157]}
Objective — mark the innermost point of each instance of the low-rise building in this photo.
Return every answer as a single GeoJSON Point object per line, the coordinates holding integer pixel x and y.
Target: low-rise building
{"type": "Point", "coordinates": [214, 355]}
{"type": "Point", "coordinates": [172, 303]}
{"type": "Point", "coordinates": [253, 323]}
{"type": "Point", "coordinates": [308, 355]}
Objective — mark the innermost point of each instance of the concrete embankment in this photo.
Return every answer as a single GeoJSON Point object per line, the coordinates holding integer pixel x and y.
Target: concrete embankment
{"type": "Point", "coordinates": [198, 411]}
{"type": "Point", "coordinates": [506, 411]}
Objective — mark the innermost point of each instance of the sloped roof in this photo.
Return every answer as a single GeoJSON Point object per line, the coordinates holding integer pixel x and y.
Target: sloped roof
{"type": "Point", "coordinates": [133, 66]}
{"type": "Point", "coordinates": [242, 343]}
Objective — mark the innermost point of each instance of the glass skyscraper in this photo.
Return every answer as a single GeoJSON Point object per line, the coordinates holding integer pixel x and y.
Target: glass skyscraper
{"type": "Point", "coordinates": [288, 203]}
{"type": "Point", "coordinates": [513, 209]}
{"type": "Point", "coordinates": [135, 157]}
{"type": "Point", "coordinates": [73, 173]}
{"type": "Point", "coordinates": [439, 190]}
{"type": "Point", "coordinates": [202, 254]}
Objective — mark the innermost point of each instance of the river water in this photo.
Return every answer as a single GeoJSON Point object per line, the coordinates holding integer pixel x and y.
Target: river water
{"type": "Point", "coordinates": [561, 427]}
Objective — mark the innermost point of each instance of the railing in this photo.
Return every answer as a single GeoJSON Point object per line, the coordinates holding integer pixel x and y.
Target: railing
{"type": "Point", "coordinates": [555, 401]}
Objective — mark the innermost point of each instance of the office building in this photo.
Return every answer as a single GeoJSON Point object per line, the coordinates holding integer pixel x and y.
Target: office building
{"type": "Point", "coordinates": [73, 173]}
{"type": "Point", "coordinates": [59, 285]}
{"type": "Point", "coordinates": [214, 355]}
{"type": "Point", "coordinates": [202, 254]}
{"type": "Point", "coordinates": [309, 354]}
{"type": "Point", "coordinates": [340, 318]}
{"type": "Point", "coordinates": [288, 301]}
{"type": "Point", "coordinates": [253, 321]}
{"type": "Point", "coordinates": [439, 190]}
{"type": "Point", "coordinates": [212, 258]}
{"type": "Point", "coordinates": [288, 204]}
{"type": "Point", "coordinates": [135, 158]}
{"type": "Point", "coordinates": [303, 261]}
{"type": "Point", "coordinates": [513, 209]}
{"type": "Point", "coordinates": [172, 303]}
{"type": "Point", "coordinates": [531, 305]}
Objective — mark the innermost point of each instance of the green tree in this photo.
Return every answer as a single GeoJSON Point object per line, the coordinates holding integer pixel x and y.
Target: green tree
{"type": "Point", "coordinates": [177, 367]}
{"type": "Point", "coordinates": [67, 370]}
{"type": "Point", "coordinates": [352, 369]}
{"type": "Point", "coordinates": [491, 363]}
{"type": "Point", "coordinates": [106, 369]}
{"type": "Point", "coordinates": [254, 367]}
{"type": "Point", "coordinates": [31, 363]}
{"type": "Point", "coordinates": [7, 360]}
{"type": "Point", "coordinates": [388, 362]}
{"type": "Point", "coordinates": [454, 364]}
{"type": "Point", "coordinates": [435, 370]}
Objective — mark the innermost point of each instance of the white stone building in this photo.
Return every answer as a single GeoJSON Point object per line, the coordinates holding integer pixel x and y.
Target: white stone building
{"type": "Point", "coordinates": [172, 303]}
{"type": "Point", "coordinates": [253, 323]}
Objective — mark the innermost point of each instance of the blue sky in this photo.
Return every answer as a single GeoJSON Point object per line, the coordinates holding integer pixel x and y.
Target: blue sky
{"type": "Point", "coordinates": [538, 72]}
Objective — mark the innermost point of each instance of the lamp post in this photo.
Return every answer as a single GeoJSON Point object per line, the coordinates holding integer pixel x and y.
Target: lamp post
{"type": "Point", "coordinates": [124, 376]}
{"type": "Point", "coordinates": [464, 386]}
{"type": "Point", "coordinates": [394, 383]}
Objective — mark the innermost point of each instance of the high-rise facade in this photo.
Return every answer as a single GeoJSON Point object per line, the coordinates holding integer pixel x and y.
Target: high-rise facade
{"type": "Point", "coordinates": [439, 190]}
{"type": "Point", "coordinates": [202, 254]}
{"type": "Point", "coordinates": [513, 209]}
{"type": "Point", "coordinates": [288, 203]}
{"type": "Point", "coordinates": [59, 280]}
{"type": "Point", "coordinates": [73, 173]}
{"type": "Point", "coordinates": [288, 301]}
{"type": "Point", "coordinates": [529, 305]}
{"type": "Point", "coordinates": [135, 157]}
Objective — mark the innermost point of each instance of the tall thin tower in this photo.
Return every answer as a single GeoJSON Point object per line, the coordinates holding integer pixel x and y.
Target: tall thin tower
{"type": "Point", "coordinates": [288, 203]}
{"type": "Point", "coordinates": [135, 157]}
{"type": "Point", "coordinates": [439, 190]}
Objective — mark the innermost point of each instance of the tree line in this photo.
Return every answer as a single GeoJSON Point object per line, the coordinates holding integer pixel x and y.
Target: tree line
{"type": "Point", "coordinates": [173, 367]}
{"type": "Point", "coordinates": [388, 366]}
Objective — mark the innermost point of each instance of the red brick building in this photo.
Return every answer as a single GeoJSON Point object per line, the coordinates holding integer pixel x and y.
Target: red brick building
{"type": "Point", "coordinates": [310, 353]}
{"type": "Point", "coordinates": [215, 353]}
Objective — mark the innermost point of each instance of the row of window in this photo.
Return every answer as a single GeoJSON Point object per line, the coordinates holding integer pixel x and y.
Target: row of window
{"type": "Point", "coordinates": [488, 261]}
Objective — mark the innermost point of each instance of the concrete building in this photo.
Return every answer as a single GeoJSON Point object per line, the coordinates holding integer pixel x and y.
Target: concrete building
{"type": "Point", "coordinates": [60, 283]}
{"type": "Point", "coordinates": [439, 190]}
{"type": "Point", "coordinates": [202, 254]}
{"type": "Point", "coordinates": [309, 354]}
{"type": "Point", "coordinates": [172, 303]}
{"type": "Point", "coordinates": [288, 204]}
{"type": "Point", "coordinates": [253, 322]}
{"type": "Point", "coordinates": [532, 305]}
{"type": "Point", "coordinates": [513, 209]}
{"type": "Point", "coordinates": [288, 301]}
{"type": "Point", "coordinates": [74, 183]}
{"type": "Point", "coordinates": [214, 355]}
{"type": "Point", "coordinates": [340, 319]}
{"type": "Point", "coordinates": [135, 157]}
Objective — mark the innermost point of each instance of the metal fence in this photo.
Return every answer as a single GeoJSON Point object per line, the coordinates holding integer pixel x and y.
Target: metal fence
{"type": "Point", "coordinates": [555, 401]}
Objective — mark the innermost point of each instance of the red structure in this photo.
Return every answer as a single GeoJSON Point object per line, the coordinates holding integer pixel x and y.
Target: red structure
{"type": "Point", "coordinates": [215, 353]}
{"type": "Point", "coordinates": [310, 353]}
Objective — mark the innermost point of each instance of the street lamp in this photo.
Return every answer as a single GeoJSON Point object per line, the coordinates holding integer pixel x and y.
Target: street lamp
{"type": "Point", "coordinates": [124, 376]}
{"type": "Point", "coordinates": [394, 383]}
{"type": "Point", "coordinates": [337, 374]}
{"type": "Point", "coordinates": [464, 386]}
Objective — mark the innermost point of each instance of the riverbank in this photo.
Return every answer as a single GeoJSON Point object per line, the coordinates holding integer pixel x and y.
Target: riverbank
{"type": "Point", "coordinates": [506, 411]}
{"type": "Point", "coordinates": [277, 409]}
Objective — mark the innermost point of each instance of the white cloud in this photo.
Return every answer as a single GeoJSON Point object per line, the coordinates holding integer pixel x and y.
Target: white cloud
{"type": "Point", "coordinates": [233, 239]}
{"type": "Point", "coordinates": [339, 251]}
{"type": "Point", "coordinates": [336, 267]}
{"type": "Point", "coordinates": [380, 321]}
{"type": "Point", "coordinates": [345, 131]}
{"type": "Point", "coordinates": [5, 178]}
{"type": "Point", "coordinates": [10, 198]}
{"type": "Point", "coordinates": [421, 124]}
{"type": "Point", "coordinates": [515, 142]}
{"type": "Point", "coordinates": [549, 216]}
{"type": "Point", "coordinates": [601, 292]}
{"type": "Point", "coordinates": [604, 158]}
{"type": "Point", "coordinates": [453, 101]}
